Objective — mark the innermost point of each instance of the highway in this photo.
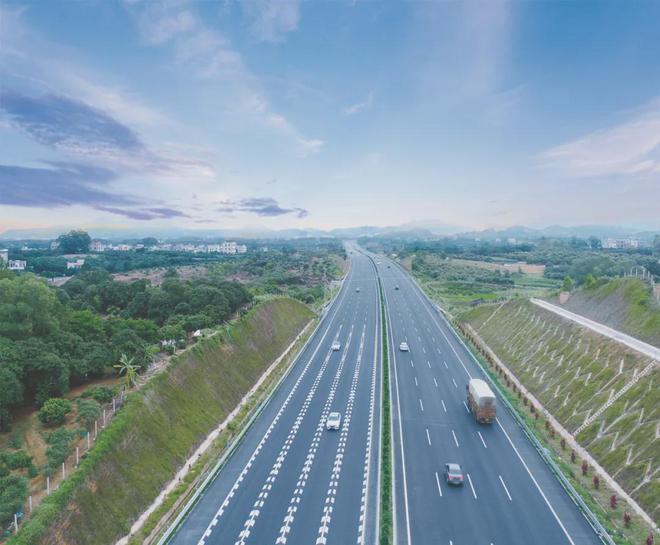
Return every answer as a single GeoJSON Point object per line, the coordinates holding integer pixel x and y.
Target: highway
{"type": "Point", "coordinates": [509, 497]}
{"type": "Point", "coordinates": [291, 480]}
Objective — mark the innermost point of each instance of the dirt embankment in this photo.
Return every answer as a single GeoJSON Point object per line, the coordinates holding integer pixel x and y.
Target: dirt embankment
{"type": "Point", "coordinates": [160, 426]}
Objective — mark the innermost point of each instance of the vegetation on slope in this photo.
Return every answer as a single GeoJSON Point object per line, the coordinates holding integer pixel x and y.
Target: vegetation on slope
{"type": "Point", "coordinates": [160, 426]}
{"type": "Point", "coordinates": [574, 372]}
{"type": "Point", "coordinates": [457, 285]}
{"type": "Point", "coordinates": [626, 304]}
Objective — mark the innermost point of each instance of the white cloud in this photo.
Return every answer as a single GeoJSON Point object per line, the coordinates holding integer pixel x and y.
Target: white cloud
{"type": "Point", "coordinates": [632, 147]}
{"type": "Point", "coordinates": [360, 106]}
{"type": "Point", "coordinates": [211, 57]}
{"type": "Point", "coordinates": [272, 19]}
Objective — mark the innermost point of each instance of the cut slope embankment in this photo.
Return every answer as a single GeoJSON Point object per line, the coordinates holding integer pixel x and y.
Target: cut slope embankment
{"type": "Point", "coordinates": [160, 426]}
{"type": "Point", "coordinates": [574, 372]}
{"type": "Point", "coordinates": [626, 304]}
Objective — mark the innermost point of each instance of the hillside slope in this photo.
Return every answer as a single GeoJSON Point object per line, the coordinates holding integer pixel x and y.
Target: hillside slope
{"type": "Point", "coordinates": [626, 304]}
{"type": "Point", "coordinates": [573, 372]}
{"type": "Point", "coordinates": [160, 426]}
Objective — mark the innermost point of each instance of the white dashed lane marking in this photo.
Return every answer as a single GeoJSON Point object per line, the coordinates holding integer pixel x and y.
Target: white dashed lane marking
{"type": "Point", "coordinates": [250, 521]}
{"type": "Point", "coordinates": [324, 528]}
{"type": "Point", "coordinates": [428, 437]}
{"type": "Point", "coordinates": [264, 493]}
{"type": "Point", "coordinates": [505, 488]}
{"type": "Point", "coordinates": [454, 435]}
{"type": "Point", "coordinates": [471, 486]}
{"type": "Point", "coordinates": [482, 439]}
{"type": "Point", "coordinates": [437, 480]}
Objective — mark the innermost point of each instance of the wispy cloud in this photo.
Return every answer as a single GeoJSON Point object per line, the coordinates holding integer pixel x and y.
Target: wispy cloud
{"type": "Point", "coordinates": [272, 19]}
{"type": "Point", "coordinates": [210, 56]}
{"type": "Point", "coordinates": [64, 184]}
{"type": "Point", "coordinates": [61, 184]}
{"type": "Point", "coordinates": [360, 106]}
{"type": "Point", "coordinates": [68, 125]}
{"type": "Point", "coordinates": [144, 213]}
{"type": "Point", "coordinates": [261, 206]}
{"type": "Point", "coordinates": [82, 131]}
{"type": "Point", "coordinates": [632, 147]}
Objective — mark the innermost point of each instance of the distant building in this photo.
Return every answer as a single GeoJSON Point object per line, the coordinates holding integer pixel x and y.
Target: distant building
{"type": "Point", "coordinates": [4, 256]}
{"type": "Point", "coordinates": [122, 247]}
{"type": "Point", "coordinates": [241, 249]}
{"type": "Point", "coordinates": [77, 264]}
{"type": "Point", "coordinates": [97, 246]}
{"type": "Point", "coordinates": [511, 240]}
{"type": "Point", "coordinates": [228, 247]}
{"type": "Point", "coordinates": [620, 243]}
{"type": "Point", "coordinates": [54, 245]}
{"type": "Point", "coordinates": [16, 265]}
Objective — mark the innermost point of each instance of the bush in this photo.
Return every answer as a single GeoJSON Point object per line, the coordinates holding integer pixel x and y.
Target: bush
{"type": "Point", "coordinates": [54, 410]}
{"type": "Point", "coordinates": [17, 460]}
{"type": "Point", "coordinates": [59, 449]}
{"type": "Point", "coordinates": [88, 411]}
{"type": "Point", "coordinates": [13, 493]}
{"type": "Point", "coordinates": [102, 394]}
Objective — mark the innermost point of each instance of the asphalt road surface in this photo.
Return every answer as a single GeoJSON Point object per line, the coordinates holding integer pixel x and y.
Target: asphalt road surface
{"type": "Point", "coordinates": [509, 496]}
{"type": "Point", "coordinates": [292, 481]}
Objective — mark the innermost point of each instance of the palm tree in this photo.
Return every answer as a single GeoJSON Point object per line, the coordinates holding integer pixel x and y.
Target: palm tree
{"type": "Point", "coordinates": [128, 368]}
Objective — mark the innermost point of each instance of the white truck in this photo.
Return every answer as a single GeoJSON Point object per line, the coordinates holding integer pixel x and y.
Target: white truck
{"type": "Point", "coordinates": [481, 400]}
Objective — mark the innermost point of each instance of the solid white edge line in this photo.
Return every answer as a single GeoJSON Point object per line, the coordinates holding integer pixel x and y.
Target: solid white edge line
{"type": "Point", "coordinates": [552, 510]}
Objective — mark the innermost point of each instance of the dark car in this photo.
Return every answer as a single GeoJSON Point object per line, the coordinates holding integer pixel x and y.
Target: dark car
{"type": "Point", "coordinates": [453, 474]}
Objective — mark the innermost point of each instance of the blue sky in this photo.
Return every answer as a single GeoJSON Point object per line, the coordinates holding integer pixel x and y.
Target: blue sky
{"type": "Point", "coordinates": [328, 114]}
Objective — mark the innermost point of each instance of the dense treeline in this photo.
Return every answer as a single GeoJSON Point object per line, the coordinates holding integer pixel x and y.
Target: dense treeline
{"type": "Point", "coordinates": [574, 257]}
{"type": "Point", "coordinates": [52, 337]}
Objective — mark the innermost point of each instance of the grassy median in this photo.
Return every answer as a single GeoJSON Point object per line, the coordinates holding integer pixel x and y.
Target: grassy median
{"type": "Point", "coordinates": [386, 537]}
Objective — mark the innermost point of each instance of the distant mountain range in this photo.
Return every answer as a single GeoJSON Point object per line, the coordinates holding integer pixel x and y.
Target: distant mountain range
{"type": "Point", "coordinates": [420, 230]}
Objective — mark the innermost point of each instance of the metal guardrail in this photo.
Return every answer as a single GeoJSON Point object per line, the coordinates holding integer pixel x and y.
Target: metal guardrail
{"type": "Point", "coordinates": [238, 440]}
{"type": "Point", "coordinates": [588, 514]}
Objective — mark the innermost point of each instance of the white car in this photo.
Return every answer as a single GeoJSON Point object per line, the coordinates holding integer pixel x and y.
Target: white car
{"type": "Point", "coordinates": [333, 422]}
{"type": "Point", "coordinates": [336, 346]}
{"type": "Point", "coordinates": [357, 290]}
{"type": "Point", "coordinates": [404, 347]}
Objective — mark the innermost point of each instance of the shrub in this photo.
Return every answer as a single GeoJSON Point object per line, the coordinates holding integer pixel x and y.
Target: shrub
{"type": "Point", "coordinates": [596, 482]}
{"type": "Point", "coordinates": [13, 493]}
{"type": "Point", "coordinates": [102, 394]}
{"type": "Point", "coordinates": [59, 449]}
{"type": "Point", "coordinates": [88, 411]}
{"type": "Point", "coordinates": [613, 501]}
{"type": "Point", "coordinates": [54, 411]}
{"type": "Point", "coordinates": [585, 467]}
{"type": "Point", "coordinates": [626, 519]}
{"type": "Point", "coordinates": [17, 460]}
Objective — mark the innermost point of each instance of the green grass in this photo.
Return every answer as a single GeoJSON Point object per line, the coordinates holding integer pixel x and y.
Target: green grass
{"type": "Point", "coordinates": [458, 285]}
{"type": "Point", "coordinates": [160, 426]}
{"type": "Point", "coordinates": [386, 508]}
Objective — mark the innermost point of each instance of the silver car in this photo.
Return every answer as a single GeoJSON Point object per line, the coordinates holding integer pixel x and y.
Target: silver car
{"type": "Point", "coordinates": [453, 474]}
{"type": "Point", "coordinates": [333, 422]}
{"type": "Point", "coordinates": [404, 347]}
{"type": "Point", "coordinates": [336, 346]}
